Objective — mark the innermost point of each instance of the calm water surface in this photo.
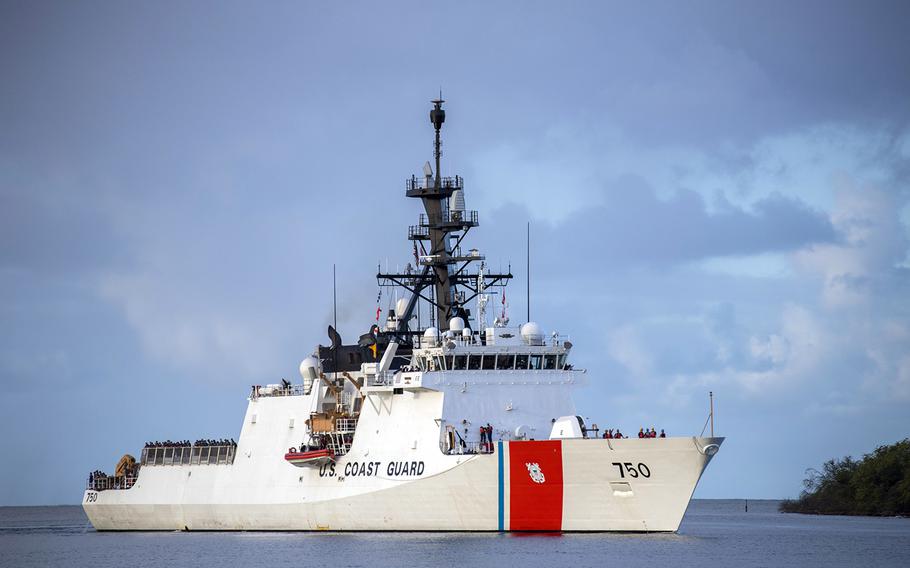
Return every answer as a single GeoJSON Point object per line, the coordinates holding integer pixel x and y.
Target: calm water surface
{"type": "Point", "coordinates": [713, 533]}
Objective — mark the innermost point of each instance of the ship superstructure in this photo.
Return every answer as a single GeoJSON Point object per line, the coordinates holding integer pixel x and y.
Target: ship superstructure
{"type": "Point", "coordinates": [461, 424]}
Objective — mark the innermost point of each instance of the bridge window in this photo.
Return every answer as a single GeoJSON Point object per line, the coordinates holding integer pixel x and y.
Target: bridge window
{"type": "Point", "coordinates": [521, 361]}
{"type": "Point", "coordinates": [460, 362]}
{"type": "Point", "coordinates": [489, 362]}
{"type": "Point", "coordinates": [536, 361]}
{"type": "Point", "coordinates": [562, 361]}
{"type": "Point", "coordinates": [504, 362]}
{"type": "Point", "coordinates": [474, 362]}
{"type": "Point", "coordinates": [549, 362]}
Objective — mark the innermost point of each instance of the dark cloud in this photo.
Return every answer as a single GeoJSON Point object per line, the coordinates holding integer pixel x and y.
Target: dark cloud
{"type": "Point", "coordinates": [634, 226]}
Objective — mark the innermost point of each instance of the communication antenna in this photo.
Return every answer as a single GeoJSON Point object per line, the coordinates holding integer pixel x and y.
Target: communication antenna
{"type": "Point", "coordinates": [711, 398]}
{"type": "Point", "coordinates": [335, 319]}
{"type": "Point", "coordinates": [482, 298]}
{"type": "Point", "coordinates": [437, 117]}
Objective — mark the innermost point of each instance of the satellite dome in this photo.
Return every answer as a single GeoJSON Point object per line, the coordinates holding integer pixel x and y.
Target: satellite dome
{"type": "Point", "coordinates": [532, 334]}
{"type": "Point", "coordinates": [466, 333]}
{"type": "Point", "coordinates": [309, 370]}
{"type": "Point", "coordinates": [431, 336]}
{"type": "Point", "coordinates": [456, 324]}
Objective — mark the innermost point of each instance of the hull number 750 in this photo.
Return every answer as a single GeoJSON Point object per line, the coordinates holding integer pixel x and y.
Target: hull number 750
{"type": "Point", "coordinates": [633, 470]}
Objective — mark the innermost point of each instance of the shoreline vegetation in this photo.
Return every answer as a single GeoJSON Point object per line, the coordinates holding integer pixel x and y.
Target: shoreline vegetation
{"type": "Point", "coordinates": [877, 485]}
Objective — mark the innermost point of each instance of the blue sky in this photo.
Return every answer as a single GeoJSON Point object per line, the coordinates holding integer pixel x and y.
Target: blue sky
{"type": "Point", "coordinates": [718, 195]}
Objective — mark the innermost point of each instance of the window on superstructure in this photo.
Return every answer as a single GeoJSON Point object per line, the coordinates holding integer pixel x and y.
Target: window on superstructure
{"type": "Point", "coordinates": [549, 362]}
{"type": "Point", "coordinates": [440, 363]}
{"type": "Point", "coordinates": [521, 361]}
{"type": "Point", "coordinates": [562, 361]}
{"type": "Point", "coordinates": [536, 362]}
{"type": "Point", "coordinates": [489, 362]}
{"type": "Point", "coordinates": [474, 362]}
{"type": "Point", "coordinates": [460, 362]}
{"type": "Point", "coordinates": [504, 362]}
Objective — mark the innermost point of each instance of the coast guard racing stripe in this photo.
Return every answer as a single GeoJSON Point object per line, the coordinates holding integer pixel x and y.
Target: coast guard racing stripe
{"type": "Point", "coordinates": [535, 486]}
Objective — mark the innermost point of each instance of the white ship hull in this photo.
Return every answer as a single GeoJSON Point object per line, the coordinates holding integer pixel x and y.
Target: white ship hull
{"type": "Point", "coordinates": [588, 494]}
{"type": "Point", "coordinates": [396, 476]}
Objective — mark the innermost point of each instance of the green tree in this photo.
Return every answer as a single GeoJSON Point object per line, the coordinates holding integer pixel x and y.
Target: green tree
{"type": "Point", "coordinates": [879, 484]}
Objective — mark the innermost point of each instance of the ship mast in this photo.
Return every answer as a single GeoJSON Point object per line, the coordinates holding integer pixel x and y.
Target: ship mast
{"type": "Point", "coordinates": [441, 229]}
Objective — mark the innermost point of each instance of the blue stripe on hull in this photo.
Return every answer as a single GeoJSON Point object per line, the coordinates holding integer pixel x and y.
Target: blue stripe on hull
{"type": "Point", "coordinates": [501, 494]}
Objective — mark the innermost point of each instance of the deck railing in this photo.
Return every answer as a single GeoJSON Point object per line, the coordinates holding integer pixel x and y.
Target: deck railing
{"type": "Point", "coordinates": [417, 183]}
{"type": "Point", "coordinates": [469, 448]}
{"type": "Point", "coordinates": [112, 482]}
{"type": "Point", "coordinates": [449, 218]}
{"type": "Point", "coordinates": [277, 390]}
{"type": "Point", "coordinates": [189, 455]}
{"type": "Point", "coordinates": [345, 425]}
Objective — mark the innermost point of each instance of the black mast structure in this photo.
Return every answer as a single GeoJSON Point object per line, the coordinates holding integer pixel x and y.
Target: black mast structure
{"type": "Point", "coordinates": [439, 233]}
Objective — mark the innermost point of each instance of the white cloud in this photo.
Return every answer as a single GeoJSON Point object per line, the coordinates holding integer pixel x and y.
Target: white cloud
{"type": "Point", "coordinates": [625, 346]}
{"type": "Point", "coordinates": [775, 349]}
{"type": "Point", "coordinates": [875, 242]}
{"type": "Point", "coordinates": [208, 339]}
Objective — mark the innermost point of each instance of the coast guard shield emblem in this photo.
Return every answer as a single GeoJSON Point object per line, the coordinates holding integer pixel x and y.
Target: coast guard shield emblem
{"type": "Point", "coordinates": [535, 472]}
{"type": "Point", "coordinates": [535, 500]}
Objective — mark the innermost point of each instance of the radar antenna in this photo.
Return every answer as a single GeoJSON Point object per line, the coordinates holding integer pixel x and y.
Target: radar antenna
{"type": "Point", "coordinates": [440, 232]}
{"type": "Point", "coordinates": [437, 117]}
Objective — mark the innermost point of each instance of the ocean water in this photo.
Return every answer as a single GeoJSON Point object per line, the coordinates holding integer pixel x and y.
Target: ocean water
{"type": "Point", "coordinates": [713, 533]}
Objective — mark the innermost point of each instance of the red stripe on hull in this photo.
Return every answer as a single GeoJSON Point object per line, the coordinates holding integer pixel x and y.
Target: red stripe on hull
{"type": "Point", "coordinates": [535, 486]}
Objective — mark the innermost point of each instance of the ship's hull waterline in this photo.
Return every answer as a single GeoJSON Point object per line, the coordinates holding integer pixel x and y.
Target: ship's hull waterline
{"type": "Point", "coordinates": [554, 485]}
